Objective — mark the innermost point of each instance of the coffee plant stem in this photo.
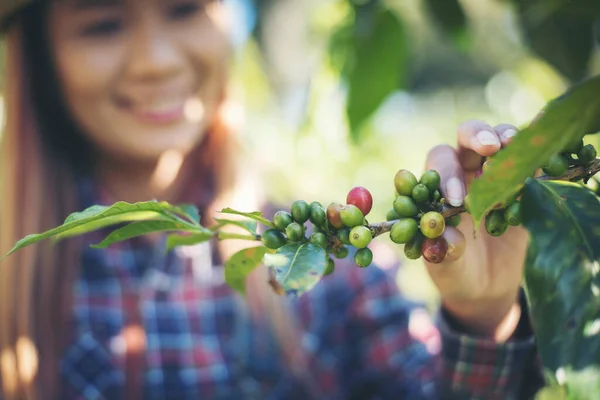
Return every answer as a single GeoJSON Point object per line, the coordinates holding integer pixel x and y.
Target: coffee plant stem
{"type": "Point", "coordinates": [226, 235]}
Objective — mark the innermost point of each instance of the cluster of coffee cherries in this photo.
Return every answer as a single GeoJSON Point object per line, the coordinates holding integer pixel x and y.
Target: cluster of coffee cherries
{"type": "Point", "coordinates": [334, 228]}
{"type": "Point", "coordinates": [575, 154]}
{"type": "Point", "coordinates": [416, 213]}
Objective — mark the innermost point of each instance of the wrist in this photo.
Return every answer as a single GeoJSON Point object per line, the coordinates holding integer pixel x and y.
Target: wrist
{"type": "Point", "coordinates": [496, 319]}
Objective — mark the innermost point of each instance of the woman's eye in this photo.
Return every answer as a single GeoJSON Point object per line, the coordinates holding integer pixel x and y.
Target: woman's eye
{"type": "Point", "coordinates": [184, 9]}
{"type": "Point", "coordinates": [103, 28]}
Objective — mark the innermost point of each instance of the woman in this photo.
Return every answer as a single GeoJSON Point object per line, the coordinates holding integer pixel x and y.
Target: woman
{"type": "Point", "coordinates": [98, 95]}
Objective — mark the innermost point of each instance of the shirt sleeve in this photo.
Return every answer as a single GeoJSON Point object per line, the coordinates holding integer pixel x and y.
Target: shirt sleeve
{"type": "Point", "coordinates": [403, 354]}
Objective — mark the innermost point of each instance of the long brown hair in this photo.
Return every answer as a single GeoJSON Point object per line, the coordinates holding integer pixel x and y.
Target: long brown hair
{"type": "Point", "coordinates": [41, 156]}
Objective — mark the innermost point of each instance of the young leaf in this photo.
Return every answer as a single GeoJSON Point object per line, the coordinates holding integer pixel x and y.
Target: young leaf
{"type": "Point", "coordinates": [249, 226]}
{"type": "Point", "coordinates": [378, 63]}
{"type": "Point", "coordinates": [562, 280]}
{"type": "Point", "coordinates": [298, 267]}
{"type": "Point", "coordinates": [256, 215]}
{"type": "Point", "coordinates": [140, 228]}
{"type": "Point", "coordinates": [241, 264]}
{"type": "Point", "coordinates": [98, 217]}
{"type": "Point", "coordinates": [565, 119]}
{"type": "Point", "coordinates": [199, 236]}
{"type": "Point", "coordinates": [188, 211]}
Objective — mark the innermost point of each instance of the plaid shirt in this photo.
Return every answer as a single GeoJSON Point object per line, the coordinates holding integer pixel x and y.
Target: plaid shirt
{"type": "Point", "coordinates": [362, 339]}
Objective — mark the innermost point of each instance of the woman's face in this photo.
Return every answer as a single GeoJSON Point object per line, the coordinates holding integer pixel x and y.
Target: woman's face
{"type": "Point", "coordinates": [141, 77]}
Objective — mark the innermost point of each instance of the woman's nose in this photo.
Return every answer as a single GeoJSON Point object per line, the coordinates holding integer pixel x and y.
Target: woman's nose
{"type": "Point", "coordinates": [153, 54]}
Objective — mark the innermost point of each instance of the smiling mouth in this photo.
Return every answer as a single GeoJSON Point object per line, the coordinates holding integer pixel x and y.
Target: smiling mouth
{"type": "Point", "coordinates": [162, 111]}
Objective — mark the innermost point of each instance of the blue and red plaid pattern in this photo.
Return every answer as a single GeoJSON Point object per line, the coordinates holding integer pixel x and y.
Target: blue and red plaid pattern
{"type": "Point", "coordinates": [361, 338]}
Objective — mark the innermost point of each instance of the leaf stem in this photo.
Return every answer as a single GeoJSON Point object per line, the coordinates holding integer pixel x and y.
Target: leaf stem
{"type": "Point", "coordinates": [226, 235]}
{"type": "Point", "coordinates": [574, 173]}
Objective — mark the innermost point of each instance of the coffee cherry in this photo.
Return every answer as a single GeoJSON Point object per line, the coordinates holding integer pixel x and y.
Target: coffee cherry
{"type": "Point", "coordinates": [420, 193]}
{"type": "Point", "coordinates": [512, 215]}
{"type": "Point", "coordinates": [454, 220]}
{"type": "Point", "coordinates": [300, 211]}
{"type": "Point", "coordinates": [351, 216]}
{"type": "Point", "coordinates": [295, 232]}
{"type": "Point", "coordinates": [575, 146]}
{"type": "Point", "coordinates": [405, 181]}
{"type": "Point", "coordinates": [360, 237]}
{"type": "Point", "coordinates": [495, 224]}
{"type": "Point", "coordinates": [435, 250]}
{"type": "Point", "coordinates": [433, 224]}
{"type": "Point", "coordinates": [392, 215]}
{"type": "Point", "coordinates": [333, 215]}
{"type": "Point", "coordinates": [431, 179]}
{"type": "Point", "coordinates": [404, 230]}
{"type": "Point", "coordinates": [557, 165]}
{"type": "Point", "coordinates": [344, 235]}
{"type": "Point", "coordinates": [363, 257]}
{"type": "Point", "coordinates": [319, 239]}
{"type": "Point", "coordinates": [405, 206]}
{"type": "Point", "coordinates": [317, 214]}
{"type": "Point", "coordinates": [587, 154]}
{"type": "Point", "coordinates": [412, 248]}
{"type": "Point", "coordinates": [329, 267]}
{"type": "Point", "coordinates": [273, 239]}
{"type": "Point", "coordinates": [437, 195]}
{"type": "Point", "coordinates": [342, 252]}
{"type": "Point", "coordinates": [282, 219]}
{"type": "Point", "coordinates": [361, 198]}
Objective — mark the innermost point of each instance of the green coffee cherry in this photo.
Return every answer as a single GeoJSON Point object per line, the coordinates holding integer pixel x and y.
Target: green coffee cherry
{"type": "Point", "coordinates": [317, 214]}
{"type": "Point", "coordinates": [363, 257]}
{"type": "Point", "coordinates": [587, 154]}
{"type": "Point", "coordinates": [433, 224]}
{"type": "Point", "coordinates": [329, 267]}
{"type": "Point", "coordinates": [300, 211]}
{"type": "Point", "coordinates": [273, 239]}
{"type": "Point", "coordinates": [360, 237]}
{"type": "Point", "coordinates": [412, 249]}
{"type": "Point", "coordinates": [295, 232]}
{"type": "Point", "coordinates": [344, 236]}
{"type": "Point", "coordinates": [392, 215]}
{"type": "Point", "coordinates": [437, 195]}
{"type": "Point", "coordinates": [420, 193]}
{"type": "Point", "coordinates": [320, 239]}
{"type": "Point", "coordinates": [512, 215]}
{"type": "Point", "coordinates": [405, 181]}
{"type": "Point", "coordinates": [351, 216]}
{"type": "Point", "coordinates": [454, 220]}
{"type": "Point", "coordinates": [495, 224]}
{"type": "Point", "coordinates": [405, 206]}
{"type": "Point", "coordinates": [282, 219]}
{"type": "Point", "coordinates": [342, 252]}
{"type": "Point", "coordinates": [557, 165]}
{"type": "Point", "coordinates": [575, 146]}
{"type": "Point", "coordinates": [431, 179]}
{"type": "Point", "coordinates": [404, 230]}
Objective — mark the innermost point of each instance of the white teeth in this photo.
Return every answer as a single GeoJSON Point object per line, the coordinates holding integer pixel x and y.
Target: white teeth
{"type": "Point", "coordinates": [161, 106]}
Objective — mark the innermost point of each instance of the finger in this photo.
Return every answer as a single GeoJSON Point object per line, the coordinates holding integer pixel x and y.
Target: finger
{"type": "Point", "coordinates": [456, 248]}
{"type": "Point", "coordinates": [476, 139]}
{"type": "Point", "coordinates": [444, 159]}
{"type": "Point", "coordinates": [505, 132]}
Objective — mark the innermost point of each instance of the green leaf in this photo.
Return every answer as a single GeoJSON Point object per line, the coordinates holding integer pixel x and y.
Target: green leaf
{"type": "Point", "coordinates": [378, 65]}
{"type": "Point", "coordinates": [145, 227]}
{"type": "Point", "coordinates": [298, 267]}
{"type": "Point", "coordinates": [201, 236]}
{"type": "Point", "coordinates": [241, 264]}
{"type": "Point", "coordinates": [565, 119]}
{"type": "Point", "coordinates": [188, 211]}
{"type": "Point", "coordinates": [562, 281]}
{"type": "Point", "coordinates": [551, 393]}
{"type": "Point", "coordinates": [451, 18]}
{"type": "Point", "coordinates": [249, 226]}
{"type": "Point", "coordinates": [256, 215]}
{"type": "Point", "coordinates": [98, 217]}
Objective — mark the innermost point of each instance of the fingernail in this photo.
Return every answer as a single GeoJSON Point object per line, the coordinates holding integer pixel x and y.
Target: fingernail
{"type": "Point", "coordinates": [455, 192]}
{"type": "Point", "coordinates": [509, 133]}
{"type": "Point", "coordinates": [487, 138]}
